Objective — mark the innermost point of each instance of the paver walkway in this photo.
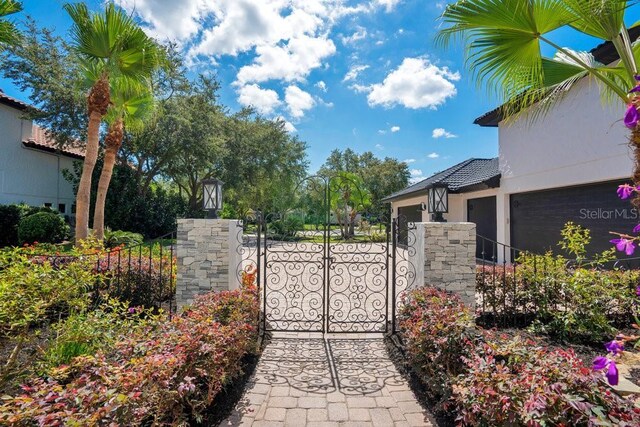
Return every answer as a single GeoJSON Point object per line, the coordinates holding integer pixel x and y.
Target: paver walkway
{"type": "Point", "coordinates": [307, 380]}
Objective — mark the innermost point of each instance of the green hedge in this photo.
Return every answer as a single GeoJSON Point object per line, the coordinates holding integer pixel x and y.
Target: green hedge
{"type": "Point", "coordinates": [10, 217]}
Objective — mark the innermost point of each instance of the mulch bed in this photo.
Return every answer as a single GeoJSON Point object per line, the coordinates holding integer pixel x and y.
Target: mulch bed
{"type": "Point", "coordinates": [226, 401]}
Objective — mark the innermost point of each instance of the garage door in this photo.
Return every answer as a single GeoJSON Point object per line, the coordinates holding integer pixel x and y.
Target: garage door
{"type": "Point", "coordinates": [538, 217]}
{"type": "Point", "coordinates": [482, 212]}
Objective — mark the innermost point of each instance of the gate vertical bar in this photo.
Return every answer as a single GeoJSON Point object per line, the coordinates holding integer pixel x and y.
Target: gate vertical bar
{"type": "Point", "coordinates": [389, 280]}
{"type": "Point", "coordinates": [394, 247]}
{"type": "Point", "coordinates": [259, 265]}
{"type": "Point", "coordinates": [264, 229]}
{"type": "Point", "coordinates": [327, 253]}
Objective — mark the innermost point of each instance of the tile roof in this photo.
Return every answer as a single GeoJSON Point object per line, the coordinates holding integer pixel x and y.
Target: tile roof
{"type": "Point", "coordinates": [40, 141]}
{"type": "Point", "coordinates": [12, 102]}
{"type": "Point", "coordinates": [465, 176]}
{"type": "Point", "coordinates": [604, 53]}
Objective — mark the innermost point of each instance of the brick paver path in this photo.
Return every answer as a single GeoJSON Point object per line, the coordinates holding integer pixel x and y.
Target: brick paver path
{"type": "Point", "coordinates": [310, 380]}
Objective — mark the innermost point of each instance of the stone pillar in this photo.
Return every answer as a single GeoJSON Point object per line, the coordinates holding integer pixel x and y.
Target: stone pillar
{"type": "Point", "coordinates": [450, 258]}
{"type": "Point", "coordinates": [416, 256]}
{"type": "Point", "coordinates": [207, 253]}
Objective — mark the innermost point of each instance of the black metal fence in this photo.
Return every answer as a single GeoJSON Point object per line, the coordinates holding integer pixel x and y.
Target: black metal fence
{"type": "Point", "coordinates": [142, 274]}
{"type": "Point", "coordinates": [515, 287]}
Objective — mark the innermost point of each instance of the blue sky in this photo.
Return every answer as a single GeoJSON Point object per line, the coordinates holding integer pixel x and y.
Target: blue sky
{"type": "Point", "coordinates": [360, 74]}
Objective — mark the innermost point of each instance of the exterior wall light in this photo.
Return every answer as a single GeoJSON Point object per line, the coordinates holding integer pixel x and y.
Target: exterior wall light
{"type": "Point", "coordinates": [212, 196]}
{"type": "Point", "coordinates": [438, 201]}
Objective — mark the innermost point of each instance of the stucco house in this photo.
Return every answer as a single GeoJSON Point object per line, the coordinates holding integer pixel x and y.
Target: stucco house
{"type": "Point", "coordinates": [563, 167]}
{"type": "Point", "coordinates": [31, 164]}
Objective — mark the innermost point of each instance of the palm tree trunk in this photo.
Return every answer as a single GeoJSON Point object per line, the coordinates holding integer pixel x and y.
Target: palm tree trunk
{"type": "Point", "coordinates": [113, 142]}
{"type": "Point", "coordinates": [83, 198]}
{"type": "Point", "coordinates": [98, 103]}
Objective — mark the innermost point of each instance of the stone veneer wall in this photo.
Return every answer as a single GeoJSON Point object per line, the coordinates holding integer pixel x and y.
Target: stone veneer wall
{"type": "Point", "coordinates": [450, 257]}
{"type": "Point", "coordinates": [207, 256]}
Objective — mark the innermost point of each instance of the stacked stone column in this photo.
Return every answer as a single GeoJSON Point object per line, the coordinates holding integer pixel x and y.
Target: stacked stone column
{"type": "Point", "coordinates": [207, 257]}
{"type": "Point", "coordinates": [449, 257]}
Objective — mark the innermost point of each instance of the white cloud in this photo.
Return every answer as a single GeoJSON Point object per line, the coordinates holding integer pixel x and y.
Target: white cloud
{"type": "Point", "coordinates": [409, 161]}
{"type": "Point", "coordinates": [382, 131]}
{"type": "Point", "coordinates": [388, 4]}
{"type": "Point", "coordinates": [380, 146]}
{"type": "Point", "coordinates": [321, 85]}
{"type": "Point", "coordinates": [360, 34]}
{"type": "Point", "coordinates": [395, 129]}
{"type": "Point", "coordinates": [357, 88]}
{"type": "Point", "coordinates": [298, 101]}
{"type": "Point", "coordinates": [433, 155]}
{"type": "Point", "coordinates": [416, 83]}
{"type": "Point", "coordinates": [442, 133]}
{"type": "Point", "coordinates": [263, 100]}
{"type": "Point", "coordinates": [416, 175]}
{"type": "Point", "coordinates": [161, 20]}
{"type": "Point", "coordinates": [354, 72]}
{"type": "Point", "coordinates": [291, 62]}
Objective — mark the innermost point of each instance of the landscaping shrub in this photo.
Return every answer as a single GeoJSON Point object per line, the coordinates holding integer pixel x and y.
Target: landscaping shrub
{"type": "Point", "coordinates": [85, 333]}
{"type": "Point", "coordinates": [576, 300]}
{"type": "Point", "coordinates": [121, 238]}
{"type": "Point", "coordinates": [490, 380]}
{"type": "Point", "coordinates": [167, 374]}
{"type": "Point", "coordinates": [46, 227]}
{"type": "Point", "coordinates": [286, 228]}
{"type": "Point", "coordinates": [513, 381]}
{"type": "Point", "coordinates": [10, 216]}
{"type": "Point", "coordinates": [438, 330]}
{"type": "Point", "coordinates": [9, 219]}
{"type": "Point", "coordinates": [32, 293]}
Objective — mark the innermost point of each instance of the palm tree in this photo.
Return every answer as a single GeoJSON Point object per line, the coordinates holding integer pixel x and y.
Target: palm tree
{"type": "Point", "coordinates": [109, 44]}
{"type": "Point", "coordinates": [504, 41]}
{"type": "Point", "coordinates": [131, 105]}
{"type": "Point", "coordinates": [9, 34]}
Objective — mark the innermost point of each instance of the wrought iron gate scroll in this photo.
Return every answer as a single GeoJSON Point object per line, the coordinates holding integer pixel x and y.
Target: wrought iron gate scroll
{"type": "Point", "coordinates": [310, 280]}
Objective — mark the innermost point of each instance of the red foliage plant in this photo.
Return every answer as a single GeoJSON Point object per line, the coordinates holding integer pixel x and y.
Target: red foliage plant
{"type": "Point", "coordinates": [169, 374]}
{"type": "Point", "coordinates": [493, 380]}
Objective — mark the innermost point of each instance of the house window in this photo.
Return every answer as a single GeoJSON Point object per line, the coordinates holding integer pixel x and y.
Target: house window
{"type": "Point", "coordinates": [62, 208]}
{"type": "Point", "coordinates": [47, 205]}
{"type": "Point", "coordinates": [73, 208]}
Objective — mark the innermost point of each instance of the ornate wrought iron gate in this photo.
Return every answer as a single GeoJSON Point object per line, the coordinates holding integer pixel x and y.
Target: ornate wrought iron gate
{"type": "Point", "coordinates": [313, 279]}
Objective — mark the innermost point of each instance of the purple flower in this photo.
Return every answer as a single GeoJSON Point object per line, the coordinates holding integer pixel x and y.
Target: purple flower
{"type": "Point", "coordinates": [631, 117]}
{"type": "Point", "coordinates": [635, 89]}
{"type": "Point", "coordinates": [614, 347]}
{"type": "Point", "coordinates": [625, 191]}
{"type": "Point", "coordinates": [599, 363]}
{"type": "Point", "coordinates": [624, 245]}
{"type": "Point", "coordinates": [636, 229]}
{"type": "Point", "coordinates": [132, 310]}
{"type": "Point", "coordinates": [612, 373]}
{"type": "Point", "coordinates": [638, 290]}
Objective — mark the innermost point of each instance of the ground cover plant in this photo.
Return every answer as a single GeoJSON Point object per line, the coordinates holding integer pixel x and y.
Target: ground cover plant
{"type": "Point", "coordinates": [165, 372]}
{"type": "Point", "coordinates": [486, 378]}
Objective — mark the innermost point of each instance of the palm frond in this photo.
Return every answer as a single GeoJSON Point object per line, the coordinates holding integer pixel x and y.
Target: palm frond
{"type": "Point", "coordinates": [9, 33]}
{"type": "Point", "coordinates": [503, 39]}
